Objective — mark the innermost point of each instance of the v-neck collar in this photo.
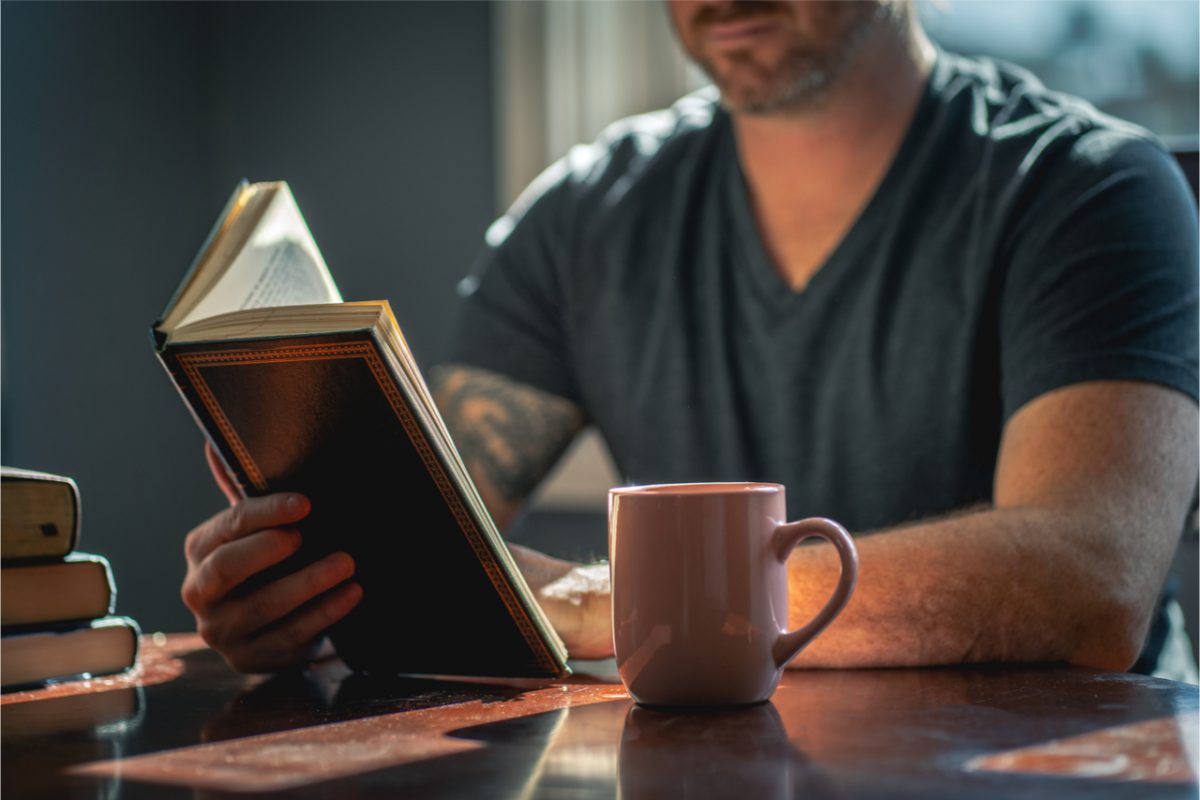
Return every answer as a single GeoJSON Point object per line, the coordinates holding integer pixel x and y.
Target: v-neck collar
{"type": "Point", "coordinates": [859, 238]}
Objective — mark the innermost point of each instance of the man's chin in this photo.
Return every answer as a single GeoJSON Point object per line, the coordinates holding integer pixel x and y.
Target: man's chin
{"type": "Point", "coordinates": [764, 87]}
{"type": "Point", "coordinates": [764, 100]}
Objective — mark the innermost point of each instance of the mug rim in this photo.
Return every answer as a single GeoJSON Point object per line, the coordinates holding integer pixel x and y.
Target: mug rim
{"type": "Point", "coordinates": [696, 488]}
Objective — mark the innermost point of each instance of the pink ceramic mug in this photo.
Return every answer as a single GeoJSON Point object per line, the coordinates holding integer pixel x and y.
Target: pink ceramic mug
{"type": "Point", "coordinates": [700, 590]}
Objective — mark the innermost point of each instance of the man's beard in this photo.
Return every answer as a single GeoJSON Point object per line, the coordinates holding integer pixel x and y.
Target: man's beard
{"type": "Point", "coordinates": [801, 77]}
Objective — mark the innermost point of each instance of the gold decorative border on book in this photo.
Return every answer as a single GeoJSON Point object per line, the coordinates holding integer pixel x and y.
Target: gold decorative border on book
{"type": "Point", "coordinates": [191, 362]}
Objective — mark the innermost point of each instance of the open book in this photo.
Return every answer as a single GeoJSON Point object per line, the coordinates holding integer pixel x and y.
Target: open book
{"type": "Point", "coordinates": [299, 391]}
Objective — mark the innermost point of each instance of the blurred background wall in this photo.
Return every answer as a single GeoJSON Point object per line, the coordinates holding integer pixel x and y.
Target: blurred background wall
{"type": "Point", "coordinates": [124, 129]}
{"type": "Point", "coordinates": [403, 129]}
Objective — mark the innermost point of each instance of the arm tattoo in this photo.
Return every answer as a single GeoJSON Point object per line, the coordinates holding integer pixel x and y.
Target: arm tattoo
{"type": "Point", "coordinates": [508, 433]}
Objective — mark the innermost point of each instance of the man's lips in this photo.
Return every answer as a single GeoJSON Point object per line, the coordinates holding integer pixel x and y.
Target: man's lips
{"type": "Point", "coordinates": [736, 30]}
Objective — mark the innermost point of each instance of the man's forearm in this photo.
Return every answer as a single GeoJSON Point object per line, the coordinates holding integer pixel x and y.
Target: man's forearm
{"type": "Point", "coordinates": [1092, 486]}
{"type": "Point", "coordinates": [1015, 584]}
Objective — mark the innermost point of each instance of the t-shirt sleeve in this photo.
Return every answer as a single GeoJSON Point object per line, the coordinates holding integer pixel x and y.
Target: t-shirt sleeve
{"type": "Point", "coordinates": [512, 315]}
{"type": "Point", "coordinates": [1102, 281]}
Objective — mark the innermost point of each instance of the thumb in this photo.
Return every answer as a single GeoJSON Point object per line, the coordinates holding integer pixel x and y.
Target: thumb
{"type": "Point", "coordinates": [225, 481]}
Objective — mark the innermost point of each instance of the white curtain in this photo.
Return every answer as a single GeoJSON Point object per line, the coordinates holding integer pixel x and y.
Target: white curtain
{"type": "Point", "coordinates": [567, 68]}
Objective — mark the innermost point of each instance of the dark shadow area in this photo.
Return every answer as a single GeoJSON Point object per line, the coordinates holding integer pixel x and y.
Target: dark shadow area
{"type": "Point", "coordinates": [577, 535]}
{"type": "Point", "coordinates": [126, 127]}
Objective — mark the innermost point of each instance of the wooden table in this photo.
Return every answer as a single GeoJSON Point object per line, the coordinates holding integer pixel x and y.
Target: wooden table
{"type": "Point", "coordinates": [189, 727]}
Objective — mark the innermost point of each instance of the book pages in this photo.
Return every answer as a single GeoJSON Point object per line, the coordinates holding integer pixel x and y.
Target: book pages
{"type": "Point", "coordinates": [280, 265]}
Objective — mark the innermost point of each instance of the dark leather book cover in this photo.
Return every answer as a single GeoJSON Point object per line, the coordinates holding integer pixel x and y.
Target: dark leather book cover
{"type": "Point", "coordinates": [325, 416]}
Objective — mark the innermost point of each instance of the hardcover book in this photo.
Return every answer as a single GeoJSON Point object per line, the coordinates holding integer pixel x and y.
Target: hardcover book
{"type": "Point", "coordinates": [79, 587]}
{"type": "Point", "coordinates": [39, 515]}
{"type": "Point", "coordinates": [100, 647]}
{"type": "Point", "coordinates": [299, 391]}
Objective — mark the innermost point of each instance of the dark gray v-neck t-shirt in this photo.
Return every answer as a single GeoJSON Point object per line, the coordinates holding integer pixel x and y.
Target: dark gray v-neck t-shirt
{"type": "Point", "coordinates": [1020, 242]}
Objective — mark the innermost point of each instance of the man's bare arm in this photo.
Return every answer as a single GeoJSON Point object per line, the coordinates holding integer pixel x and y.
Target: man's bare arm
{"type": "Point", "coordinates": [510, 435]}
{"type": "Point", "coordinates": [1092, 485]}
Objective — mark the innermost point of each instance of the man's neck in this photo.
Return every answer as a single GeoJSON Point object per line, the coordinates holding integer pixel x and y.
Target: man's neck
{"type": "Point", "coordinates": [810, 172]}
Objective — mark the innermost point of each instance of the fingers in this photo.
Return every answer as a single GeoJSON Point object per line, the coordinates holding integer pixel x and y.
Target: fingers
{"type": "Point", "coordinates": [250, 515]}
{"type": "Point", "coordinates": [228, 566]}
{"type": "Point", "coordinates": [275, 627]}
{"type": "Point", "coordinates": [291, 641]}
{"type": "Point", "coordinates": [225, 482]}
{"type": "Point", "coordinates": [272, 603]}
{"type": "Point", "coordinates": [234, 621]}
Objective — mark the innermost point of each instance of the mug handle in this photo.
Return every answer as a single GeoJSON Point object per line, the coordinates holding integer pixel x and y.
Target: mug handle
{"type": "Point", "coordinates": [786, 537]}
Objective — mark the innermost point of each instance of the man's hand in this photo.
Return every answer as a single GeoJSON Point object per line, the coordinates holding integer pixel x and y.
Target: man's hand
{"type": "Point", "coordinates": [575, 597]}
{"type": "Point", "coordinates": [276, 625]}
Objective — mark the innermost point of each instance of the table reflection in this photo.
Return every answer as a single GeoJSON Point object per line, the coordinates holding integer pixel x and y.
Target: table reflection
{"type": "Point", "coordinates": [743, 751]}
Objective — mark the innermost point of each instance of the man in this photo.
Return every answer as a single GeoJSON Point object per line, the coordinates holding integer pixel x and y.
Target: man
{"type": "Point", "coordinates": [939, 303]}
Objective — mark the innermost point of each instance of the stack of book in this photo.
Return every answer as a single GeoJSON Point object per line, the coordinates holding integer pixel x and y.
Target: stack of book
{"type": "Point", "coordinates": [55, 603]}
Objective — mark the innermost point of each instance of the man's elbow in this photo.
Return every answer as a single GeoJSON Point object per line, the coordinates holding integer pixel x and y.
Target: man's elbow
{"type": "Point", "coordinates": [1113, 632]}
{"type": "Point", "coordinates": [1114, 592]}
